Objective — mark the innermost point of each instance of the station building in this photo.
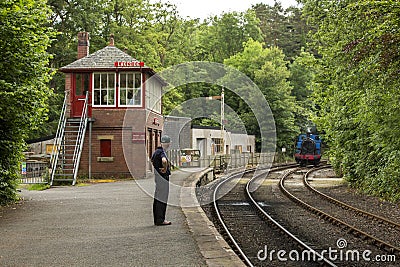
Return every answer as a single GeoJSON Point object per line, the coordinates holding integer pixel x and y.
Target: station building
{"type": "Point", "coordinates": [117, 143]}
{"type": "Point", "coordinates": [211, 140]}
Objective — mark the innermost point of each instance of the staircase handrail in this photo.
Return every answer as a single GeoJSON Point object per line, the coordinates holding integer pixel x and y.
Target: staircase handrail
{"type": "Point", "coordinates": [80, 138]}
{"type": "Point", "coordinates": [58, 140]}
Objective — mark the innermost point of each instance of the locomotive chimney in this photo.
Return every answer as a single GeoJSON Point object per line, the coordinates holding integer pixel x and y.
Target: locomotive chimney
{"type": "Point", "coordinates": [83, 44]}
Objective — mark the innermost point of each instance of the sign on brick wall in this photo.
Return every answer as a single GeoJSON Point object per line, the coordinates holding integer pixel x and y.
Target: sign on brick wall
{"type": "Point", "coordinates": [138, 137]}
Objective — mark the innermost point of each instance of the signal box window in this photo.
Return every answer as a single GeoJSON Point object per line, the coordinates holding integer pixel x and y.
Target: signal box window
{"type": "Point", "coordinates": [104, 89]}
{"type": "Point", "coordinates": [130, 89]}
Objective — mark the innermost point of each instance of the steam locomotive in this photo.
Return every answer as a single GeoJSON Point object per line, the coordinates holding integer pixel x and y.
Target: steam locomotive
{"type": "Point", "coordinates": [308, 149]}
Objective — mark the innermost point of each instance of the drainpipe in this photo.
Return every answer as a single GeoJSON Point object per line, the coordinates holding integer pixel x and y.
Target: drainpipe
{"type": "Point", "coordinates": [90, 148]}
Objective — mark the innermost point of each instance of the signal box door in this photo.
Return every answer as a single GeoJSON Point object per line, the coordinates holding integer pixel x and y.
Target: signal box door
{"type": "Point", "coordinates": [81, 85]}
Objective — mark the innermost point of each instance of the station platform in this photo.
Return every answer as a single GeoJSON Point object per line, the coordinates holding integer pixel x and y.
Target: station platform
{"type": "Point", "coordinates": [110, 224]}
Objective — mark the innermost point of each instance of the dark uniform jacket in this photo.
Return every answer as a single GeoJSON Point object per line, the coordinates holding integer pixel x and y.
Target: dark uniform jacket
{"type": "Point", "coordinates": [156, 159]}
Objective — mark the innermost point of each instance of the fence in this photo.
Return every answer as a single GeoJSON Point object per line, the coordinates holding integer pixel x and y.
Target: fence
{"type": "Point", "coordinates": [233, 161]}
{"type": "Point", "coordinates": [229, 161]}
{"type": "Point", "coordinates": [35, 172]}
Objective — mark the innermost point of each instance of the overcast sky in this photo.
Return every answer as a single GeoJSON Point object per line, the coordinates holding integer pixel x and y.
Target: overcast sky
{"type": "Point", "coordinates": [204, 8]}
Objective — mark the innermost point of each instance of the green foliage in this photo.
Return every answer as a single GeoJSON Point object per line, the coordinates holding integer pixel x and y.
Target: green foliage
{"type": "Point", "coordinates": [281, 28]}
{"type": "Point", "coordinates": [268, 69]}
{"type": "Point", "coordinates": [153, 33]}
{"type": "Point", "coordinates": [357, 89]}
{"type": "Point", "coordinates": [226, 35]}
{"type": "Point", "coordinates": [24, 82]}
{"type": "Point", "coordinates": [302, 72]}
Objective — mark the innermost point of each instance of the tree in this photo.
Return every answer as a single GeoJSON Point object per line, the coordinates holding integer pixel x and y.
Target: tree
{"type": "Point", "coordinates": [302, 72]}
{"type": "Point", "coordinates": [282, 28]}
{"type": "Point", "coordinates": [155, 34]}
{"type": "Point", "coordinates": [68, 17]}
{"type": "Point", "coordinates": [268, 69]}
{"type": "Point", "coordinates": [214, 40]}
{"type": "Point", "coordinates": [357, 89]}
{"type": "Point", "coordinates": [226, 34]}
{"type": "Point", "coordinates": [24, 82]}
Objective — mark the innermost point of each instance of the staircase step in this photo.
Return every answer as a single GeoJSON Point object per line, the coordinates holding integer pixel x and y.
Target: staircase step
{"type": "Point", "coordinates": [62, 175]}
{"type": "Point", "coordinates": [63, 180]}
{"type": "Point", "coordinates": [71, 135]}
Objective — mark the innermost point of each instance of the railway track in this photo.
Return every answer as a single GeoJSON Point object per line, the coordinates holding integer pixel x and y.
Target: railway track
{"type": "Point", "coordinates": [257, 229]}
{"type": "Point", "coordinates": [258, 220]}
{"type": "Point", "coordinates": [345, 206]}
{"type": "Point", "coordinates": [372, 228]}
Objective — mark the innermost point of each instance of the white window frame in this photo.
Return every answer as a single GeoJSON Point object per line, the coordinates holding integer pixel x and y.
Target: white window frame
{"type": "Point", "coordinates": [101, 89]}
{"type": "Point", "coordinates": [124, 88]}
{"type": "Point", "coordinates": [218, 148]}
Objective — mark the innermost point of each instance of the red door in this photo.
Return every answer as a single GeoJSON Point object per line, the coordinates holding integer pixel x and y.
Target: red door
{"type": "Point", "coordinates": [81, 85]}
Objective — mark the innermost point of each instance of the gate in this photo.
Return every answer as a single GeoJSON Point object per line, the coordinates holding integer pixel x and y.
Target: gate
{"type": "Point", "coordinates": [34, 172]}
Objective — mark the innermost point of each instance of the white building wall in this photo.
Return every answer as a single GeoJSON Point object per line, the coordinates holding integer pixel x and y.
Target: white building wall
{"type": "Point", "coordinates": [153, 94]}
{"type": "Point", "coordinates": [202, 140]}
{"type": "Point", "coordinates": [251, 141]}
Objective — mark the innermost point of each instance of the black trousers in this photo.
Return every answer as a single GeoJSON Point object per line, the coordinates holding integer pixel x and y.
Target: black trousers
{"type": "Point", "coordinates": [160, 198]}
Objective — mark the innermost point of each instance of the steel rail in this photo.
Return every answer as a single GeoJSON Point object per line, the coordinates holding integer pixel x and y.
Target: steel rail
{"type": "Point", "coordinates": [344, 205]}
{"type": "Point", "coordinates": [255, 204]}
{"type": "Point", "coordinates": [216, 208]}
{"type": "Point", "coordinates": [379, 243]}
{"type": "Point", "coordinates": [218, 213]}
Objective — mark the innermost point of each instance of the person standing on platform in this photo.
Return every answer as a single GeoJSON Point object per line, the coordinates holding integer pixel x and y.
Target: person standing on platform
{"type": "Point", "coordinates": [162, 172]}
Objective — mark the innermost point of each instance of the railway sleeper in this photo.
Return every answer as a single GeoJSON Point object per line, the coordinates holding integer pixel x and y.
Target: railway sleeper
{"type": "Point", "coordinates": [352, 232]}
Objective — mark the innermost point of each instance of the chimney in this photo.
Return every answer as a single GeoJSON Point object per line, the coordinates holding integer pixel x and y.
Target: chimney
{"type": "Point", "coordinates": [112, 40]}
{"type": "Point", "coordinates": [83, 44]}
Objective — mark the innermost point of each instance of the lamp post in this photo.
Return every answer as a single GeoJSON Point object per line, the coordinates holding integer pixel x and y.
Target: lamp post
{"type": "Point", "coordinates": [222, 98]}
{"type": "Point", "coordinates": [222, 120]}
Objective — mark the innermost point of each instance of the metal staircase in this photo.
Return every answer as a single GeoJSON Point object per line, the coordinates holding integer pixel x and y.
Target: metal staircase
{"type": "Point", "coordinates": [68, 145]}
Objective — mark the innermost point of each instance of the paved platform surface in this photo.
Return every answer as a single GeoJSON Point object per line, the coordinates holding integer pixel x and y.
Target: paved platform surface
{"type": "Point", "coordinates": [107, 224]}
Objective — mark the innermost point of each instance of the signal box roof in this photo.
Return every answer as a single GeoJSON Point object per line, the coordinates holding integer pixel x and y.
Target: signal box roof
{"type": "Point", "coordinates": [108, 58]}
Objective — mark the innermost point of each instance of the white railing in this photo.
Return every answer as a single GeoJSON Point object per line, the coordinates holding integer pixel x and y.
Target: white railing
{"type": "Point", "coordinates": [80, 138]}
{"type": "Point", "coordinates": [58, 140]}
{"type": "Point", "coordinates": [36, 173]}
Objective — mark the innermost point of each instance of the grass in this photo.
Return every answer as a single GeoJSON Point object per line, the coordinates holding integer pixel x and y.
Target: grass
{"type": "Point", "coordinates": [38, 187]}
